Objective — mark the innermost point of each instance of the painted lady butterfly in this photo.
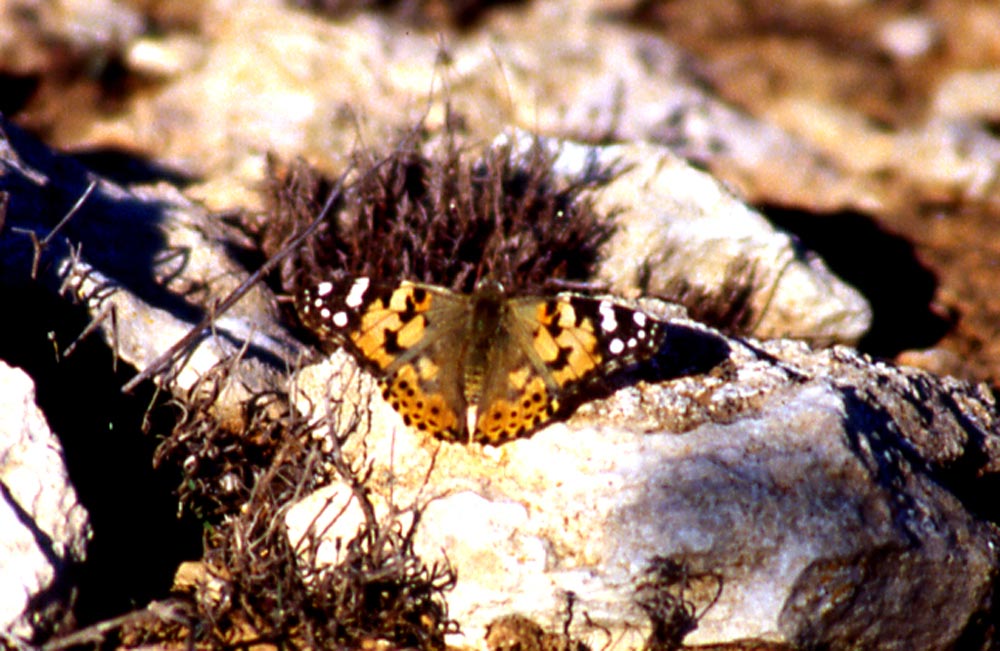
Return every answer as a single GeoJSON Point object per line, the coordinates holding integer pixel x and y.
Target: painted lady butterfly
{"type": "Point", "coordinates": [437, 352]}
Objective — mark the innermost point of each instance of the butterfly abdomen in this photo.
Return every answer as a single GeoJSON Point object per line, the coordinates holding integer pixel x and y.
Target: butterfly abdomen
{"type": "Point", "coordinates": [486, 332]}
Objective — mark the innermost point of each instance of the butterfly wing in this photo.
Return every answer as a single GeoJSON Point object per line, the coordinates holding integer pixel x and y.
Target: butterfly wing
{"type": "Point", "coordinates": [409, 335]}
{"type": "Point", "coordinates": [553, 348]}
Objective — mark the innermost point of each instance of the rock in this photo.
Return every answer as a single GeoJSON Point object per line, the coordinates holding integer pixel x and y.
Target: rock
{"type": "Point", "coordinates": [937, 360]}
{"type": "Point", "coordinates": [677, 223]}
{"type": "Point", "coordinates": [780, 494]}
{"type": "Point", "coordinates": [814, 498]}
{"type": "Point", "coordinates": [43, 528]}
{"type": "Point", "coordinates": [99, 26]}
{"type": "Point", "coordinates": [968, 95]}
{"type": "Point", "coordinates": [300, 84]}
{"type": "Point", "coordinates": [908, 37]}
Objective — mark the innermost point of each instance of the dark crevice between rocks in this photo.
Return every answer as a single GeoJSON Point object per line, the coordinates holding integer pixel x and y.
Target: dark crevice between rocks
{"type": "Point", "coordinates": [138, 540]}
{"type": "Point", "coordinates": [18, 90]}
{"type": "Point", "coordinates": [881, 265]}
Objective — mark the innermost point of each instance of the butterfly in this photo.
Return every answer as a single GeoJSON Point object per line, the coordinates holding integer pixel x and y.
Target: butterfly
{"type": "Point", "coordinates": [495, 365]}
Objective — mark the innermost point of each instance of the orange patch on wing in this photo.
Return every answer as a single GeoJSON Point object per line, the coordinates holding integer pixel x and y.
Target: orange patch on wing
{"type": "Point", "coordinates": [583, 357]}
{"type": "Point", "coordinates": [411, 332]}
{"type": "Point", "coordinates": [425, 412]}
{"type": "Point", "coordinates": [370, 344]}
{"type": "Point", "coordinates": [408, 294]}
{"type": "Point", "coordinates": [504, 420]}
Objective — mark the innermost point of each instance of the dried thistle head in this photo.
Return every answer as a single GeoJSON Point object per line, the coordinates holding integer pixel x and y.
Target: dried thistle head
{"type": "Point", "coordinates": [447, 218]}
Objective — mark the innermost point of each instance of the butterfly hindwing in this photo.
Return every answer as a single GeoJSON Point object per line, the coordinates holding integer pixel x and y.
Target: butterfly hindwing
{"type": "Point", "coordinates": [518, 395]}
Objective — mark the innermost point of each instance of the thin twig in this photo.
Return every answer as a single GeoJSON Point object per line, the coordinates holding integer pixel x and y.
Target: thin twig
{"type": "Point", "coordinates": [164, 611]}
{"type": "Point", "coordinates": [40, 246]}
{"type": "Point", "coordinates": [109, 310]}
{"type": "Point", "coordinates": [72, 212]}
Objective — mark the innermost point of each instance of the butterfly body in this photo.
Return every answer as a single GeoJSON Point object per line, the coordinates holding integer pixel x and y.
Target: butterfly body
{"type": "Point", "coordinates": [486, 363]}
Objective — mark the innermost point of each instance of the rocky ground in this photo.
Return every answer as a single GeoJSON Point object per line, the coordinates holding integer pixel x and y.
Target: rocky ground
{"type": "Point", "coordinates": [859, 195]}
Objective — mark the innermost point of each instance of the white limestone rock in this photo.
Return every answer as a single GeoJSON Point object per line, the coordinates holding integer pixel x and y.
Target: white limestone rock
{"type": "Point", "coordinates": [43, 528]}
{"type": "Point", "coordinates": [786, 495]}
{"type": "Point", "coordinates": [675, 222]}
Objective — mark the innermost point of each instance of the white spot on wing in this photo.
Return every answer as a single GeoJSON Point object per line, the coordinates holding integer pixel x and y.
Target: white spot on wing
{"type": "Point", "coordinates": [616, 346]}
{"type": "Point", "coordinates": [340, 319]}
{"type": "Point", "coordinates": [607, 312]}
{"type": "Point", "coordinates": [640, 319]}
{"type": "Point", "coordinates": [357, 294]}
{"type": "Point", "coordinates": [324, 288]}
